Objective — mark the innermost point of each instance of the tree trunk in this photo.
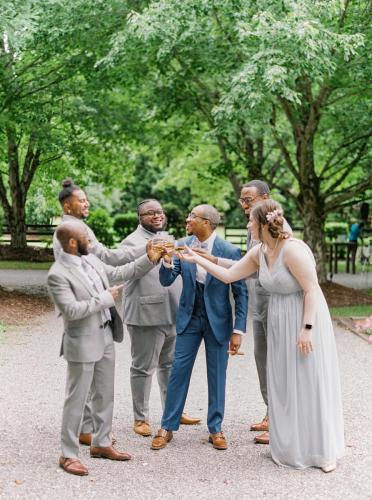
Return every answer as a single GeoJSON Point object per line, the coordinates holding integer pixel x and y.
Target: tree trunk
{"type": "Point", "coordinates": [314, 235]}
{"type": "Point", "coordinates": [19, 182]}
{"type": "Point", "coordinates": [17, 227]}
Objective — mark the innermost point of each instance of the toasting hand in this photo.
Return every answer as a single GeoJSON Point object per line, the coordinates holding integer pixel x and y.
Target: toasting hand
{"type": "Point", "coordinates": [204, 253]}
{"type": "Point", "coordinates": [114, 290]}
{"type": "Point", "coordinates": [154, 251]}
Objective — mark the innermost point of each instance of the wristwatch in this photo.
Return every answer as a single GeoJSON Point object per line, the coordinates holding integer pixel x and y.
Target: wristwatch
{"type": "Point", "coordinates": [308, 327]}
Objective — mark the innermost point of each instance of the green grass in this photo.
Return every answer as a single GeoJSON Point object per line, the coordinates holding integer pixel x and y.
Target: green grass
{"type": "Point", "coordinates": [354, 311]}
{"type": "Point", "coordinates": [22, 264]}
{"type": "Point", "coordinates": [359, 268]}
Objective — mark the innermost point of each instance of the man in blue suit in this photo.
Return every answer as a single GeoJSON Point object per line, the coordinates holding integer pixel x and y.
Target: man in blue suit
{"type": "Point", "coordinates": [204, 313]}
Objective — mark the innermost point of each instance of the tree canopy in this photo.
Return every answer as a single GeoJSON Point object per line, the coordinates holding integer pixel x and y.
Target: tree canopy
{"type": "Point", "coordinates": [204, 94]}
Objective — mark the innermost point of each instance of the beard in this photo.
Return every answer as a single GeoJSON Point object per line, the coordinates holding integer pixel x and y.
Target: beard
{"type": "Point", "coordinates": [153, 229]}
{"type": "Point", "coordinates": [82, 248]}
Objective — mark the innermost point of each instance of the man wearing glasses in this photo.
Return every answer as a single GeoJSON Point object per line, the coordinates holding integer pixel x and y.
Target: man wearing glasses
{"type": "Point", "coordinates": [254, 192]}
{"type": "Point", "coordinates": [204, 314]}
{"type": "Point", "coordinates": [150, 316]}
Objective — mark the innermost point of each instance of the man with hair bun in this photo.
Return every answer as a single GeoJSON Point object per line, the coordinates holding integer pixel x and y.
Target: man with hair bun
{"type": "Point", "coordinates": [75, 207]}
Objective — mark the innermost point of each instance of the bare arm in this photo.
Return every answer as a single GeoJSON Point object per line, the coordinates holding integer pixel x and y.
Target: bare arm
{"type": "Point", "coordinates": [300, 262]}
{"type": "Point", "coordinates": [241, 269]}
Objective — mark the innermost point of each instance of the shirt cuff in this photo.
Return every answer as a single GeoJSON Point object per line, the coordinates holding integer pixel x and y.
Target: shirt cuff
{"type": "Point", "coordinates": [167, 265]}
{"type": "Point", "coordinates": [239, 332]}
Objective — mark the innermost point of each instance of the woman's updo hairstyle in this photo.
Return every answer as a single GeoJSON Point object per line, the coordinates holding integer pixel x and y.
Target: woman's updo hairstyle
{"type": "Point", "coordinates": [68, 188]}
{"type": "Point", "coordinates": [270, 213]}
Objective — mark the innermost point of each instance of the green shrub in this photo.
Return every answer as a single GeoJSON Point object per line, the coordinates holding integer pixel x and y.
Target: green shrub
{"type": "Point", "coordinates": [101, 224]}
{"type": "Point", "coordinates": [125, 224]}
{"type": "Point", "coordinates": [335, 229]}
{"type": "Point", "coordinates": [176, 220]}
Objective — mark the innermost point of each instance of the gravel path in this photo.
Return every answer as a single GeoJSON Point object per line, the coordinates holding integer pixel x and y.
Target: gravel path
{"type": "Point", "coordinates": [32, 387]}
{"type": "Point", "coordinates": [31, 281]}
{"type": "Point", "coordinates": [34, 280]}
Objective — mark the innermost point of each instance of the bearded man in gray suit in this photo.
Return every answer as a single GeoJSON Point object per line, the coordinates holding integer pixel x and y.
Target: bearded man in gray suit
{"type": "Point", "coordinates": [75, 206]}
{"type": "Point", "coordinates": [150, 316]}
{"type": "Point", "coordinates": [79, 286]}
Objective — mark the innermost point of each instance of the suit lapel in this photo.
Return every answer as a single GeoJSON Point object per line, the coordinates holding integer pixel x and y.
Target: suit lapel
{"type": "Point", "coordinates": [98, 267]}
{"type": "Point", "coordinates": [190, 267]}
{"type": "Point", "coordinates": [144, 233]}
{"type": "Point", "coordinates": [76, 274]}
{"type": "Point", "coordinates": [217, 251]}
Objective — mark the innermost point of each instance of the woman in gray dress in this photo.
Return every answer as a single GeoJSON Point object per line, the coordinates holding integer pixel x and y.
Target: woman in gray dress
{"type": "Point", "coordinates": [305, 409]}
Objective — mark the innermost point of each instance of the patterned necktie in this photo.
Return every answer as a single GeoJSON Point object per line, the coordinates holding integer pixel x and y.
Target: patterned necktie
{"type": "Point", "coordinates": [95, 280]}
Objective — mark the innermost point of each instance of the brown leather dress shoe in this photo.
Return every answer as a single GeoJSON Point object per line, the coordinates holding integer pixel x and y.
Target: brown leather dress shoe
{"type": "Point", "coordinates": [261, 426]}
{"type": "Point", "coordinates": [86, 439]}
{"type": "Point", "coordinates": [73, 466]}
{"type": "Point", "coordinates": [186, 420]}
{"type": "Point", "coordinates": [218, 440]}
{"type": "Point", "coordinates": [262, 438]}
{"type": "Point", "coordinates": [108, 452]}
{"type": "Point", "coordinates": [141, 427]}
{"type": "Point", "coordinates": [161, 439]}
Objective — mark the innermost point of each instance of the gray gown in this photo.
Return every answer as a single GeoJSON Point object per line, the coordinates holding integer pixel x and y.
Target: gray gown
{"type": "Point", "coordinates": [305, 408]}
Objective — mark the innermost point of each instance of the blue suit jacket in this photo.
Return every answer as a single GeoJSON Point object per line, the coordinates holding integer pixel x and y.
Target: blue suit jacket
{"type": "Point", "coordinates": [216, 294]}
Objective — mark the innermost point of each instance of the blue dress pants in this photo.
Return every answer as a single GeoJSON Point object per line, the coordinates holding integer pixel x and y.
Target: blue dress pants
{"type": "Point", "coordinates": [187, 346]}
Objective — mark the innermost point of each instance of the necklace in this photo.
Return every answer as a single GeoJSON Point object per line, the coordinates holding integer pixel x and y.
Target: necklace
{"type": "Point", "coordinates": [267, 248]}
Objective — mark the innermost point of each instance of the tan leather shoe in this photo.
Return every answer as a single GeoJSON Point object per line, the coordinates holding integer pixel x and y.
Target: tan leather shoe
{"type": "Point", "coordinates": [73, 466]}
{"type": "Point", "coordinates": [186, 420]}
{"type": "Point", "coordinates": [86, 439]}
{"type": "Point", "coordinates": [108, 452]}
{"type": "Point", "coordinates": [261, 426]}
{"type": "Point", "coordinates": [262, 438]}
{"type": "Point", "coordinates": [141, 427]}
{"type": "Point", "coordinates": [161, 439]}
{"type": "Point", "coordinates": [218, 440]}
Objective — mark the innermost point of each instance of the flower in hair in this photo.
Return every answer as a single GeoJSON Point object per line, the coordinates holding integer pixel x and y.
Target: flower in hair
{"type": "Point", "coordinates": [271, 216]}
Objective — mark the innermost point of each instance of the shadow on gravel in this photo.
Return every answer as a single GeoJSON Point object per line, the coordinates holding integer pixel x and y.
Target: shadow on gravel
{"type": "Point", "coordinates": [18, 308]}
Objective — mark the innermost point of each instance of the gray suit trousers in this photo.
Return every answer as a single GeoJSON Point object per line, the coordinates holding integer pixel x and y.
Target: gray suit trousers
{"type": "Point", "coordinates": [152, 349]}
{"type": "Point", "coordinates": [81, 377]}
{"type": "Point", "coordinates": [260, 340]}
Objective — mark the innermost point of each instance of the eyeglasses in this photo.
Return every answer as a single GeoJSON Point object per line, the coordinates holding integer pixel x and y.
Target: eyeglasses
{"type": "Point", "coordinates": [247, 200]}
{"type": "Point", "coordinates": [152, 213]}
{"type": "Point", "coordinates": [194, 216]}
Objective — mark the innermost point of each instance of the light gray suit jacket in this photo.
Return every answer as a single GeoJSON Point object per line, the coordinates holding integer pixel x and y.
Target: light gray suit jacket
{"type": "Point", "coordinates": [80, 304]}
{"type": "Point", "coordinates": [146, 302]}
{"type": "Point", "coordinates": [111, 256]}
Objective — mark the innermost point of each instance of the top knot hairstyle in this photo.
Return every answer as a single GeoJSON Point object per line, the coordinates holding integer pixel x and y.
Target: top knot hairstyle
{"type": "Point", "coordinates": [68, 188]}
{"type": "Point", "coordinates": [270, 213]}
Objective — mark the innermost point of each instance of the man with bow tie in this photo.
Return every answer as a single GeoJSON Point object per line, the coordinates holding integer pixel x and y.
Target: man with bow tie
{"type": "Point", "coordinates": [204, 313]}
{"type": "Point", "coordinates": [79, 285]}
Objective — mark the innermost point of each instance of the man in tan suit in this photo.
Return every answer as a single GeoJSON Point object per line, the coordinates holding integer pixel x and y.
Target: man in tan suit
{"type": "Point", "coordinates": [79, 285]}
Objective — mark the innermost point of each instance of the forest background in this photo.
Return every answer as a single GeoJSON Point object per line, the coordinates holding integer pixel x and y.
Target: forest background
{"type": "Point", "coordinates": [185, 100]}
